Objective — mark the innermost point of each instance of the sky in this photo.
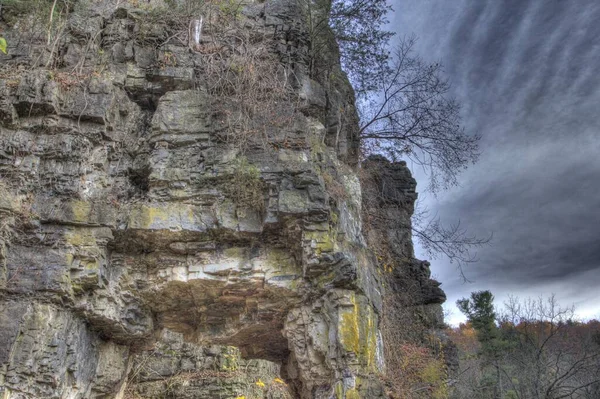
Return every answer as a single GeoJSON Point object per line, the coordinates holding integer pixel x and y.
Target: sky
{"type": "Point", "coordinates": [527, 73]}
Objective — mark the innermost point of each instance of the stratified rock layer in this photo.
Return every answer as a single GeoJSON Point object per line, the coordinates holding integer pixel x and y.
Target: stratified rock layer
{"type": "Point", "coordinates": [146, 250]}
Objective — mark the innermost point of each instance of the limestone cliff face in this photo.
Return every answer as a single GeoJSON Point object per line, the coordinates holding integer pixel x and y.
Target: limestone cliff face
{"type": "Point", "coordinates": [183, 219]}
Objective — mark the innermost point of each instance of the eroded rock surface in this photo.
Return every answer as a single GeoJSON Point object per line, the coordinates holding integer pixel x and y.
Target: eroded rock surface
{"type": "Point", "coordinates": [163, 237]}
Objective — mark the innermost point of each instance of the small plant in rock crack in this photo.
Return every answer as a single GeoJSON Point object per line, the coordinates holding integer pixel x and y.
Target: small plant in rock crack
{"type": "Point", "coordinates": [245, 187]}
{"type": "Point", "coordinates": [168, 59]}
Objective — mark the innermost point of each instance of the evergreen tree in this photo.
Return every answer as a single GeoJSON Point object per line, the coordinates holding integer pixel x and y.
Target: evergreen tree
{"type": "Point", "coordinates": [480, 312]}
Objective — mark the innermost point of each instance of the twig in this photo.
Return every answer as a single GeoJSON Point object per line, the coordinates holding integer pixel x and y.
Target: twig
{"type": "Point", "coordinates": [50, 21]}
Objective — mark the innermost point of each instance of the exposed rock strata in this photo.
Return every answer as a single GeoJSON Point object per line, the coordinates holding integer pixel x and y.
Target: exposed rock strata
{"type": "Point", "coordinates": [128, 266]}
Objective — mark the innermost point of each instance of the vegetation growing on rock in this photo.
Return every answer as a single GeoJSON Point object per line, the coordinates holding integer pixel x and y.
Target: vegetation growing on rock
{"type": "Point", "coordinates": [184, 237]}
{"type": "Point", "coordinates": [245, 187]}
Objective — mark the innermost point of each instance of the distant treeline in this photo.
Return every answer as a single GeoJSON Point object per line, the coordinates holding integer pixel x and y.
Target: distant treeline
{"type": "Point", "coordinates": [535, 349]}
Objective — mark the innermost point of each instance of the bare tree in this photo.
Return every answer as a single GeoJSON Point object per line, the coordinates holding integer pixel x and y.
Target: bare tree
{"type": "Point", "coordinates": [409, 114]}
{"type": "Point", "coordinates": [554, 357]}
{"type": "Point", "coordinates": [452, 241]}
{"type": "Point", "coordinates": [403, 101]}
{"type": "Point", "coordinates": [404, 110]}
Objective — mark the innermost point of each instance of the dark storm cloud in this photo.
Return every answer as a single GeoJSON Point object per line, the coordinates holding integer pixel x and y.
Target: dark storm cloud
{"type": "Point", "coordinates": [528, 75]}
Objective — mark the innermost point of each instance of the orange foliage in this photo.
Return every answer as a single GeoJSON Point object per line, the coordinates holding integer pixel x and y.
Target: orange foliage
{"type": "Point", "coordinates": [465, 338]}
{"type": "Point", "coordinates": [420, 374]}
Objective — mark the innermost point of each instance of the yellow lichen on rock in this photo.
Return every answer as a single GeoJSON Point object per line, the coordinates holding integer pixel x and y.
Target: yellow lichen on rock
{"type": "Point", "coordinates": [81, 211]}
{"type": "Point", "coordinates": [352, 394]}
{"type": "Point", "coordinates": [324, 241]}
{"type": "Point", "coordinates": [145, 216]}
{"type": "Point", "coordinates": [80, 238]}
{"type": "Point", "coordinates": [358, 331]}
{"type": "Point", "coordinates": [168, 217]}
{"type": "Point", "coordinates": [339, 390]}
{"type": "Point", "coordinates": [230, 359]}
{"type": "Point", "coordinates": [341, 393]}
{"type": "Point", "coordinates": [349, 330]}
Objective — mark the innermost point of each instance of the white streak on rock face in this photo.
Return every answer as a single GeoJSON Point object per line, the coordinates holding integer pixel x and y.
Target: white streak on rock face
{"type": "Point", "coordinates": [379, 358]}
{"type": "Point", "coordinates": [195, 32]}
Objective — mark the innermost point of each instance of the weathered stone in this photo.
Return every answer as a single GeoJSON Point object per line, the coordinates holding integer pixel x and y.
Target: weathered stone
{"type": "Point", "coordinates": [184, 117]}
{"type": "Point", "coordinates": [45, 270]}
{"type": "Point", "coordinates": [145, 57]}
{"type": "Point", "coordinates": [132, 259]}
{"type": "Point", "coordinates": [53, 354]}
{"type": "Point", "coordinates": [111, 372]}
{"type": "Point", "coordinates": [185, 370]}
{"type": "Point", "coordinates": [8, 113]}
{"type": "Point", "coordinates": [334, 341]}
{"type": "Point", "coordinates": [313, 95]}
{"type": "Point", "coordinates": [37, 94]}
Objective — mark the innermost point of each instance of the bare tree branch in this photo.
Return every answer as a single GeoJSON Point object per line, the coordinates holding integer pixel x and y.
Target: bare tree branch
{"type": "Point", "coordinates": [410, 114]}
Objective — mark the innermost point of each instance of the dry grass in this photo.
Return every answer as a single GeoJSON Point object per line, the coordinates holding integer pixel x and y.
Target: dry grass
{"type": "Point", "coordinates": [415, 366]}
{"type": "Point", "coordinates": [238, 65]}
{"type": "Point", "coordinates": [257, 87]}
{"type": "Point", "coordinates": [245, 187]}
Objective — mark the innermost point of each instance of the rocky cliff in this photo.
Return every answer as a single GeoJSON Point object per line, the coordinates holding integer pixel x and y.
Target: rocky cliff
{"type": "Point", "coordinates": [184, 218]}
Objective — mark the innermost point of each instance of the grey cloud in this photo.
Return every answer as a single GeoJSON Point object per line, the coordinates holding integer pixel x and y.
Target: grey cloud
{"type": "Point", "coordinates": [526, 72]}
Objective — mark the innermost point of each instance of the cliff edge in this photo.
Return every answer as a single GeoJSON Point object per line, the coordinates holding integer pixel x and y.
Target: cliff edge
{"type": "Point", "coordinates": [185, 218]}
